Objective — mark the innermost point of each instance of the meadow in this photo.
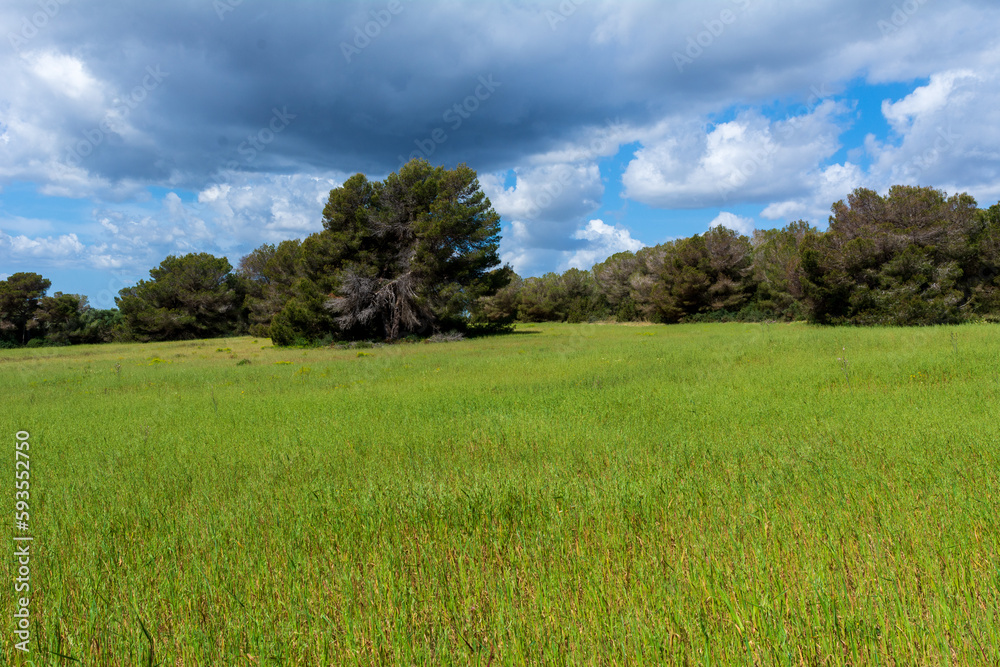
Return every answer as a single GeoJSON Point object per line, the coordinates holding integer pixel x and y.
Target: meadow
{"type": "Point", "coordinates": [731, 494]}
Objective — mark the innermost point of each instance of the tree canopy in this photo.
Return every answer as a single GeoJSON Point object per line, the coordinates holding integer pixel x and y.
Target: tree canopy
{"type": "Point", "coordinates": [899, 259]}
{"type": "Point", "coordinates": [411, 254]}
{"type": "Point", "coordinates": [193, 296]}
{"type": "Point", "coordinates": [19, 298]}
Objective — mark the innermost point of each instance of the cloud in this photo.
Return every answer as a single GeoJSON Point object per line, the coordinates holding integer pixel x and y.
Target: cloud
{"type": "Point", "coordinates": [268, 208]}
{"type": "Point", "coordinates": [751, 158]}
{"type": "Point", "coordinates": [226, 76]}
{"type": "Point", "coordinates": [546, 196]}
{"type": "Point", "coordinates": [65, 75]}
{"type": "Point", "coordinates": [60, 247]}
{"type": "Point", "coordinates": [593, 243]}
{"type": "Point", "coordinates": [942, 140]}
{"type": "Point", "coordinates": [569, 95]}
{"type": "Point", "coordinates": [734, 222]}
{"type": "Point", "coordinates": [945, 139]}
{"type": "Point", "coordinates": [602, 241]}
{"type": "Point", "coordinates": [825, 187]}
{"type": "Point", "coordinates": [926, 100]}
{"type": "Point", "coordinates": [229, 218]}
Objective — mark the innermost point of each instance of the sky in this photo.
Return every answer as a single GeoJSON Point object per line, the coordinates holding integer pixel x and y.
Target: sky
{"type": "Point", "coordinates": [134, 130]}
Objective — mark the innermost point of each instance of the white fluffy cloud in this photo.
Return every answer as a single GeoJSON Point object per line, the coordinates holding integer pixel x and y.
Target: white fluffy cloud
{"type": "Point", "coordinates": [56, 115]}
{"type": "Point", "coordinates": [544, 207]}
{"type": "Point", "coordinates": [546, 195]}
{"type": "Point", "coordinates": [926, 100]}
{"type": "Point", "coordinates": [592, 243]}
{"type": "Point", "coordinates": [66, 75]}
{"type": "Point", "coordinates": [65, 246]}
{"type": "Point", "coordinates": [945, 139]}
{"type": "Point", "coordinates": [230, 219]}
{"type": "Point", "coordinates": [751, 158]}
{"type": "Point", "coordinates": [602, 241]}
{"type": "Point", "coordinates": [942, 140]}
{"type": "Point", "coordinates": [547, 202]}
{"type": "Point", "coordinates": [827, 186]}
{"type": "Point", "coordinates": [248, 209]}
{"type": "Point", "coordinates": [734, 222]}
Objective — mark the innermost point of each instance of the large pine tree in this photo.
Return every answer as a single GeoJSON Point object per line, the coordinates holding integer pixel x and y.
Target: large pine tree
{"type": "Point", "coordinates": [411, 254]}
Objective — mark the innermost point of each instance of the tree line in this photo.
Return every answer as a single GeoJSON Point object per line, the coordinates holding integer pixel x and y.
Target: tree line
{"type": "Point", "coordinates": [912, 257]}
{"type": "Point", "coordinates": [412, 255]}
{"type": "Point", "coordinates": [417, 253]}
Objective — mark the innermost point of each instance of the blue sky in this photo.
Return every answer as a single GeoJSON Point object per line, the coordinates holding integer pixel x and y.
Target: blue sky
{"type": "Point", "coordinates": [133, 130]}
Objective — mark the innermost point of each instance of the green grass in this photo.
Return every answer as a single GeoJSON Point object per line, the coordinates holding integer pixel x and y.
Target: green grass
{"type": "Point", "coordinates": [570, 494]}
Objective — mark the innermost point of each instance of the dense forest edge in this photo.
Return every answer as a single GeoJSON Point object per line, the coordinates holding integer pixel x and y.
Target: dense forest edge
{"type": "Point", "coordinates": [416, 255]}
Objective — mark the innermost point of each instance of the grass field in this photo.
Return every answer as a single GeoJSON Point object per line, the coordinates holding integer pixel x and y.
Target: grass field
{"type": "Point", "coordinates": [569, 494]}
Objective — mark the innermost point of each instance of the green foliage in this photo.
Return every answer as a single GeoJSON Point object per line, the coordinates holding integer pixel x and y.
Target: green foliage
{"type": "Point", "coordinates": [701, 274]}
{"type": "Point", "coordinates": [193, 296]}
{"type": "Point", "coordinates": [412, 254]}
{"type": "Point", "coordinates": [416, 254]}
{"type": "Point", "coordinates": [983, 270]}
{"type": "Point", "coordinates": [61, 317]}
{"type": "Point", "coordinates": [103, 326]}
{"type": "Point", "coordinates": [893, 260]}
{"type": "Point", "coordinates": [617, 278]}
{"type": "Point", "coordinates": [26, 314]}
{"type": "Point", "coordinates": [304, 316]}
{"type": "Point", "coordinates": [573, 296]}
{"type": "Point", "coordinates": [270, 274]}
{"type": "Point", "coordinates": [498, 312]}
{"type": "Point", "coordinates": [913, 257]}
{"type": "Point", "coordinates": [19, 300]}
{"type": "Point", "coordinates": [777, 269]}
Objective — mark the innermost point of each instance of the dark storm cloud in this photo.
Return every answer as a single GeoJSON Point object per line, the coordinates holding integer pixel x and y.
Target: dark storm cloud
{"type": "Point", "coordinates": [364, 85]}
{"type": "Point", "coordinates": [369, 83]}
